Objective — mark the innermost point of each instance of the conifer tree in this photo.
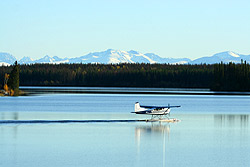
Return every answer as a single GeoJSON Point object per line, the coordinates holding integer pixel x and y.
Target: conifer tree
{"type": "Point", "coordinates": [14, 79]}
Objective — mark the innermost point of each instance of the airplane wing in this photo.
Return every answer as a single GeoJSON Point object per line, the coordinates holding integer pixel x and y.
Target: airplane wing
{"type": "Point", "coordinates": [159, 107]}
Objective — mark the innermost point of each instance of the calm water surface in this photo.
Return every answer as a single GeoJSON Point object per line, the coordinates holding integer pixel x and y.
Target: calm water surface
{"type": "Point", "coordinates": [214, 131]}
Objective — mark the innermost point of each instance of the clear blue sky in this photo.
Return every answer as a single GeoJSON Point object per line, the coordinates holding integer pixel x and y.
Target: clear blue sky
{"type": "Point", "coordinates": [169, 28]}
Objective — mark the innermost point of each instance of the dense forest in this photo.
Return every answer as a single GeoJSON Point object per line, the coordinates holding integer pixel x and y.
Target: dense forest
{"type": "Point", "coordinates": [216, 77]}
{"type": "Point", "coordinates": [231, 77]}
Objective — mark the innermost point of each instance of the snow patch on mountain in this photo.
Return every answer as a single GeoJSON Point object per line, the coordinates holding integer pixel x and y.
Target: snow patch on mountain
{"type": "Point", "coordinates": [4, 64]}
{"type": "Point", "coordinates": [233, 54]}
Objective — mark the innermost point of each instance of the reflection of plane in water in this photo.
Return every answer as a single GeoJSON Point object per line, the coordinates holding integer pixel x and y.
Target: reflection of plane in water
{"type": "Point", "coordinates": [155, 129]}
{"type": "Point", "coordinates": [159, 112]}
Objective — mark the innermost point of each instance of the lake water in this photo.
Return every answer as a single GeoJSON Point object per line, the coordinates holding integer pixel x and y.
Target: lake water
{"type": "Point", "coordinates": [214, 131]}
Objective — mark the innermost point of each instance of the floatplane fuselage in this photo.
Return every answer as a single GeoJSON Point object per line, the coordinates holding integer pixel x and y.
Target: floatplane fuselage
{"type": "Point", "coordinates": [159, 112]}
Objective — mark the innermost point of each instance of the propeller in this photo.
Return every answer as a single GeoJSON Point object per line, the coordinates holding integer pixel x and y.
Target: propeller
{"type": "Point", "coordinates": [169, 109]}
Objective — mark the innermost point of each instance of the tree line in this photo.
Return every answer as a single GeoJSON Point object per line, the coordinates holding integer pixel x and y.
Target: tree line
{"type": "Point", "coordinates": [216, 77]}
{"type": "Point", "coordinates": [231, 77]}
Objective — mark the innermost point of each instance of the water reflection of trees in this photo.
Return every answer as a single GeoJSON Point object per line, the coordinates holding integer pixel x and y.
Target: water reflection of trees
{"type": "Point", "coordinates": [9, 116]}
{"type": "Point", "coordinates": [231, 120]}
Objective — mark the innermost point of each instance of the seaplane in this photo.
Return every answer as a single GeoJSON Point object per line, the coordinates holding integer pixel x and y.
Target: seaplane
{"type": "Point", "coordinates": [157, 112]}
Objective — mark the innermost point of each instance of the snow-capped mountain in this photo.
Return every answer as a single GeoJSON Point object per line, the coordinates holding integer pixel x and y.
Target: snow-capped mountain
{"type": "Point", "coordinates": [159, 59]}
{"type": "Point", "coordinates": [59, 60]}
{"type": "Point", "coordinates": [113, 56]}
{"type": "Point", "coordinates": [224, 57]}
{"type": "Point", "coordinates": [51, 60]}
{"type": "Point", "coordinates": [26, 60]}
{"type": "Point", "coordinates": [119, 56]}
{"type": "Point", "coordinates": [6, 59]}
{"type": "Point", "coordinates": [45, 59]}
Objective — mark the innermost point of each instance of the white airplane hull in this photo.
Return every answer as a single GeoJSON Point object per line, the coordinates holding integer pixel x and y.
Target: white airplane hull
{"type": "Point", "coordinates": [155, 111]}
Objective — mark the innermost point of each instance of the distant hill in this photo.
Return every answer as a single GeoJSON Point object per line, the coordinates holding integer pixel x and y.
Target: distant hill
{"type": "Point", "coordinates": [118, 56]}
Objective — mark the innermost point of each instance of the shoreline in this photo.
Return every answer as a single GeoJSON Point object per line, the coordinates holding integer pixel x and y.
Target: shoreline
{"type": "Point", "coordinates": [125, 90]}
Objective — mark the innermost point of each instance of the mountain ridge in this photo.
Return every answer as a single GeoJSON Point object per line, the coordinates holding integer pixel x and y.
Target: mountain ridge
{"type": "Point", "coordinates": [119, 56]}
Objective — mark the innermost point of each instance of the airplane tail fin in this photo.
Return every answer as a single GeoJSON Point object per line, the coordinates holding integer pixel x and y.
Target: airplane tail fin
{"type": "Point", "coordinates": [137, 106]}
